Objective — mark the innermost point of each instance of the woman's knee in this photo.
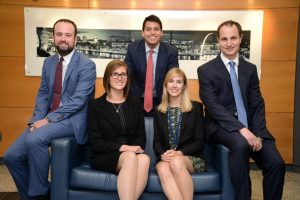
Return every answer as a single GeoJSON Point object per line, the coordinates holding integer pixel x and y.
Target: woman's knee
{"type": "Point", "coordinates": [128, 156]}
{"type": "Point", "coordinates": [143, 159]}
{"type": "Point", "coordinates": [163, 171]}
{"type": "Point", "coordinates": [177, 164]}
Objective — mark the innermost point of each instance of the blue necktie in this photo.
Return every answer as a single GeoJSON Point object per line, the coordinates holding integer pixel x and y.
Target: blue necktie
{"type": "Point", "coordinates": [242, 115]}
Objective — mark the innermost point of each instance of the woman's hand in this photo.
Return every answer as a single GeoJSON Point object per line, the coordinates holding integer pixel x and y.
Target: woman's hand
{"type": "Point", "coordinates": [135, 149]}
{"type": "Point", "coordinates": [169, 154]}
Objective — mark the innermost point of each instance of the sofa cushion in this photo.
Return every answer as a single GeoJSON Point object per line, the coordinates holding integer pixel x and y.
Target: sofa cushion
{"type": "Point", "coordinates": [85, 177]}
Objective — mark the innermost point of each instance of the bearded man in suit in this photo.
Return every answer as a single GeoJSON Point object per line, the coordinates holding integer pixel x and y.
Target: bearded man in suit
{"type": "Point", "coordinates": [67, 83]}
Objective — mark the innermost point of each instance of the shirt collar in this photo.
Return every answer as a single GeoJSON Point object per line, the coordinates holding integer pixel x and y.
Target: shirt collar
{"type": "Point", "coordinates": [226, 60]}
{"type": "Point", "coordinates": [68, 57]}
{"type": "Point", "coordinates": [155, 50]}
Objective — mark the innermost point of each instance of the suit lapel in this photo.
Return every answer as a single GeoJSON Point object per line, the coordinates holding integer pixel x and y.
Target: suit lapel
{"type": "Point", "coordinates": [182, 126]}
{"type": "Point", "coordinates": [161, 59]}
{"type": "Point", "coordinates": [52, 71]}
{"type": "Point", "coordinates": [142, 58]}
{"type": "Point", "coordinates": [242, 79]}
{"type": "Point", "coordinates": [106, 109]}
{"type": "Point", "coordinates": [165, 125]}
{"type": "Point", "coordinates": [221, 68]}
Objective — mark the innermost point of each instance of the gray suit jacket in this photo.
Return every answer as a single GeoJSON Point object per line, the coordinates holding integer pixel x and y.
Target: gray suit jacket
{"type": "Point", "coordinates": [78, 88]}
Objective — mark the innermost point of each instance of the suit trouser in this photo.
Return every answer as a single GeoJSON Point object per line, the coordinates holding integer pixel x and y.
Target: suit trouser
{"type": "Point", "coordinates": [268, 159]}
{"type": "Point", "coordinates": [28, 158]}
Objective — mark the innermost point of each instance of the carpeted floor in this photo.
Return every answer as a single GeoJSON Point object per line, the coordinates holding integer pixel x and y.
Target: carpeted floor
{"type": "Point", "coordinates": [9, 196]}
{"type": "Point", "coordinates": [290, 192]}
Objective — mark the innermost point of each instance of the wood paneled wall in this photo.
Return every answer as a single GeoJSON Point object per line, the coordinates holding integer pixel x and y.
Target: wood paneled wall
{"type": "Point", "coordinates": [278, 59]}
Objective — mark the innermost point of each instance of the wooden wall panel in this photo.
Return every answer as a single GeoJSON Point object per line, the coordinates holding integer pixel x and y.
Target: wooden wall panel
{"type": "Point", "coordinates": [17, 90]}
{"type": "Point", "coordinates": [13, 121]}
{"type": "Point", "coordinates": [12, 31]}
{"type": "Point", "coordinates": [280, 34]}
{"type": "Point", "coordinates": [278, 59]}
{"type": "Point", "coordinates": [47, 3]}
{"type": "Point", "coordinates": [278, 85]}
{"type": "Point", "coordinates": [192, 4]}
{"type": "Point", "coordinates": [281, 127]}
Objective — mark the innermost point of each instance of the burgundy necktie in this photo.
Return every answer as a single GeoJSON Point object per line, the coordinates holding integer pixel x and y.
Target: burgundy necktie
{"type": "Point", "coordinates": [57, 86]}
{"type": "Point", "coordinates": [148, 101]}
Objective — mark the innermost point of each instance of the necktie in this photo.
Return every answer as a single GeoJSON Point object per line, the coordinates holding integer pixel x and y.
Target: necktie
{"type": "Point", "coordinates": [148, 101]}
{"type": "Point", "coordinates": [241, 111]}
{"type": "Point", "coordinates": [57, 86]}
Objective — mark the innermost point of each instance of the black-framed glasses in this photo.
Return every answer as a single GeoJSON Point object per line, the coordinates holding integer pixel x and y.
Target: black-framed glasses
{"type": "Point", "coordinates": [116, 75]}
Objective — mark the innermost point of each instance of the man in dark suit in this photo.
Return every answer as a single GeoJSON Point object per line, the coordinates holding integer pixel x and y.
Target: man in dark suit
{"type": "Point", "coordinates": [246, 137]}
{"type": "Point", "coordinates": [60, 111]}
{"type": "Point", "coordinates": [164, 58]}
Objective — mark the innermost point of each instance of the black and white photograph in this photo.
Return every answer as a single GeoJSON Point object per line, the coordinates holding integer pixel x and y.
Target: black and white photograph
{"type": "Point", "coordinates": [193, 33]}
{"type": "Point", "coordinates": [112, 44]}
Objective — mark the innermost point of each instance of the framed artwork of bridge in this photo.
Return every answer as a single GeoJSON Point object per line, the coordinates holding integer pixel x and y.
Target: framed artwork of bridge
{"type": "Point", "coordinates": [105, 34]}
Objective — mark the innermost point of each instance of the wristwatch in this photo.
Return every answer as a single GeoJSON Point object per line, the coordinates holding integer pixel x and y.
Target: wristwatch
{"type": "Point", "coordinates": [30, 124]}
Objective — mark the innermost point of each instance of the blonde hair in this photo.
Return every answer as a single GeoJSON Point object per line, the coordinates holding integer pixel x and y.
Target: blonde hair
{"type": "Point", "coordinates": [185, 104]}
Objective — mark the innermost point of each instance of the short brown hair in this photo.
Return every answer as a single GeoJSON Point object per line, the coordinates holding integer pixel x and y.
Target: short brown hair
{"type": "Point", "coordinates": [112, 66]}
{"type": "Point", "coordinates": [230, 23]}
{"type": "Point", "coordinates": [66, 21]}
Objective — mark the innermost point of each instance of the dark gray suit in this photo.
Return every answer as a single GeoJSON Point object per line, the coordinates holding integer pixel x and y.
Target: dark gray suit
{"type": "Point", "coordinates": [222, 126]}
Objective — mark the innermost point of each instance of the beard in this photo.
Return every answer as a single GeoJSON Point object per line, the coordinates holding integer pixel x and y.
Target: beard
{"type": "Point", "coordinates": [64, 50]}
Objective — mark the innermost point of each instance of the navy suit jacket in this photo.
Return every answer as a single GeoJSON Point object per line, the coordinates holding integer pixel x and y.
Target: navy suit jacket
{"type": "Point", "coordinates": [217, 96]}
{"type": "Point", "coordinates": [191, 138]}
{"type": "Point", "coordinates": [78, 88]}
{"type": "Point", "coordinates": [136, 61]}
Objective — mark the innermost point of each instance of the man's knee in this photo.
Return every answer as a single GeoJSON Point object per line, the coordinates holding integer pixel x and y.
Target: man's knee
{"type": "Point", "coordinates": [33, 141]}
{"type": "Point", "coordinates": [11, 157]}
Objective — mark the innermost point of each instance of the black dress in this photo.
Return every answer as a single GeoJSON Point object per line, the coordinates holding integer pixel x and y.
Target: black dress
{"type": "Point", "coordinates": [112, 125]}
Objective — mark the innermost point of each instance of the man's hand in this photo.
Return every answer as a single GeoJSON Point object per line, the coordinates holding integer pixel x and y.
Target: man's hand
{"type": "Point", "coordinates": [254, 142]}
{"type": "Point", "coordinates": [38, 124]}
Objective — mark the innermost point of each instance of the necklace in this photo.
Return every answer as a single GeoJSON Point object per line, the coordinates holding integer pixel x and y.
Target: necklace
{"type": "Point", "coordinates": [117, 109]}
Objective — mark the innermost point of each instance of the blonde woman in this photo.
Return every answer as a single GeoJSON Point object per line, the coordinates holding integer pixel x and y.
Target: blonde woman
{"type": "Point", "coordinates": [178, 137]}
{"type": "Point", "coordinates": [117, 133]}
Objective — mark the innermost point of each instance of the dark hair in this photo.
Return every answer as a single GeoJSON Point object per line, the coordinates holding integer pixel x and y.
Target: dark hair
{"type": "Point", "coordinates": [230, 23]}
{"type": "Point", "coordinates": [112, 66]}
{"type": "Point", "coordinates": [66, 21]}
{"type": "Point", "coordinates": [152, 18]}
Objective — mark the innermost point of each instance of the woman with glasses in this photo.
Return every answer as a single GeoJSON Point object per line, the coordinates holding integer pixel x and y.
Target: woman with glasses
{"type": "Point", "coordinates": [117, 133]}
{"type": "Point", "coordinates": [178, 137]}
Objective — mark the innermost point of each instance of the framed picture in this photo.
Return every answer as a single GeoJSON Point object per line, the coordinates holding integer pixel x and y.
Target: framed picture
{"type": "Point", "coordinates": [105, 34]}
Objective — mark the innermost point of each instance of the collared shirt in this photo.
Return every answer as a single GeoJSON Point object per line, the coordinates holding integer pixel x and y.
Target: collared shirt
{"type": "Point", "coordinates": [154, 60]}
{"type": "Point", "coordinates": [66, 62]}
{"type": "Point", "coordinates": [226, 63]}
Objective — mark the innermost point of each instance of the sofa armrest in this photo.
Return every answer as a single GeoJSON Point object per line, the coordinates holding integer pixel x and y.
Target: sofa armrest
{"type": "Point", "coordinates": [65, 155]}
{"type": "Point", "coordinates": [220, 160]}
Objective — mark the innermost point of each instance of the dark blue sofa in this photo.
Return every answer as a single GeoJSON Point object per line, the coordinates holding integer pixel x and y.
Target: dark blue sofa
{"type": "Point", "coordinates": [73, 179]}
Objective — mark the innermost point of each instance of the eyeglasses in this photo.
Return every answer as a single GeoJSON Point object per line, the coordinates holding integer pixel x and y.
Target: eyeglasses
{"type": "Point", "coordinates": [116, 75]}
